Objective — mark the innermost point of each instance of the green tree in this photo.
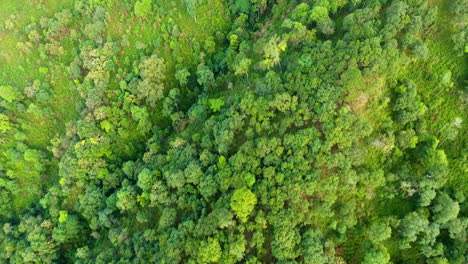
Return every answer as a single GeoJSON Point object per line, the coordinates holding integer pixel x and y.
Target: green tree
{"type": "Point", "coordinates": [209, 251]}
{"type": "Point", "coordinates": [146, 179]}
{"type": "Point", "coordinates": [242, 66]}
{"type": "Point", "coordinates": [216, 104]}
{"type": "Point", "coordinates": [191, 7]}
{"type": "Point", "coordinates": [411, 226]}
{"type": "Point", "coordinates": [68, 230]}
{"type": "Point", "coordinates": [153, 71]}
{"type": "Point", "coordinates": [243, 202]}
{"type": "Point", "coordinates": [376, 256]}
{"type": "Point", "coordinates": [312, 247]}
{"type": "Point", "coordinates": [272, 50]}
{"type": "Point", "coordinates": [5, 124]}
{"type": "Point", "coordinates": [205, 76]}
{"type": "Point", "coordinates": [445, 209]}
{"type": "Point", "coordinates": [126, 198]}
{"type": "Point", "coordinates": [182, 76]}
{"type": "Point", "coordinates": [379, 231]}
{"type": "Point", "coordinates": [7, 93]}
{"type": "Point", "coordinates": [351, 78]}
{"type": "Point", "coordinates": [319, 14]}
{"type": "Point", "coordinates": [407, 106]}
{"type": "Point", "coordinates": [143, 8]}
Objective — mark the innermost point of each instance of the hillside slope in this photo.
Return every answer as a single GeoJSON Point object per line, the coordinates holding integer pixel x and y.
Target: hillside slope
{"type": "Point", "coordinates": [249, 131]}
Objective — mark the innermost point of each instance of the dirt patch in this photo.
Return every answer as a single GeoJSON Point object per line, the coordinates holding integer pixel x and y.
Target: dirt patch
{"type": "Point", "coordinates": [358, 105]}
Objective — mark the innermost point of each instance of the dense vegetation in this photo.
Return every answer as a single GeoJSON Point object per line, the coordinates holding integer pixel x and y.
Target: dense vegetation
{"type": "Point", "coordinates": [233, 131]}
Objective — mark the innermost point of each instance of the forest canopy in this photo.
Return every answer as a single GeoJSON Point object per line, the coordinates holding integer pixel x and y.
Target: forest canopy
{"type": "Point", "coordinates": [233, 131]}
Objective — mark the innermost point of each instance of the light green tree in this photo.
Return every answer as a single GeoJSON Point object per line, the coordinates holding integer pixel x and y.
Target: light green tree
{"type": "Point", "coordinates": [143, 8]}
{"type": "Point", "coordinates": [243, 202]}
{"type": "Point", "coordinates": [209, 251]}
{"type": "Point", "coordinates": [7, 93]}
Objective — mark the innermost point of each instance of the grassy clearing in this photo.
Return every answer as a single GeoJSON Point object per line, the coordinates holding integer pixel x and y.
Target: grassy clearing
{"type": "Point", "coordinates": [444, 104]}
{"type": "Point", "coordinates": [41, 121]}
{"type": "Point", "coordinates": [19, 69]}
{"type": "Point", "coordinates": [180, 38]}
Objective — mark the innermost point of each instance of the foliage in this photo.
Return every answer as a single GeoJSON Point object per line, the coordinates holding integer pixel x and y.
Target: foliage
{"type": "Point", "coordinates": [220, 131]}
{"type": "Point", "coordinates": [243, 202]}
{"type": "Point", "coordinates": [143, 8]}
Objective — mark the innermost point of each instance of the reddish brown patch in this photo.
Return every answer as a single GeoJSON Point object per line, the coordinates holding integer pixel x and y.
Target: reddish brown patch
{"type": "Point", "coordinates": [339, 250]}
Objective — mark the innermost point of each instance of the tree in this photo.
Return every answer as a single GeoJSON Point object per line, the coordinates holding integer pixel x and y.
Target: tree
{"type": "Point", "coordinates": [153, 72]}
{"type": "Point", "coordinates": [182, 76]}
{"type": "Point", "coordinates": [5, 124]}
{"type": "Point", "coordinates": [243, 202]}
{"type": "Point", "coordinates": [242, 66]}
{"type": "Point", "coordinates": [171, 105]}
{"type": "Point", "coordinates": [458, 7]}
{"type": "Point", "coordinates": [412, 225]}
{"type": "Point", "coordinates": [205, 76]}
{"type": "Point", "coordinates": [445, 209]}
{"type": "Point", "coordinates": [376, 256]}
{"type": "Point", "coordinates": [146, 179]}
{"type": "Point", "coordinates": [197, 112]}
{"type": "Point", "coordinates": [460, 41]}
{"type": "Point", "coordinates": [168, 218]}
{"type": "Point", "coordinates": [427, 191]}
{"type": "Point", "coordinates": [457, 228]}
{"type": "Point", "coordinates": [141, 115]}
{"type": "Point", "coordinates": [143, 8]}
{"type": "Point", "coordinates": [209, 251]}
{"type": "Point", "coordinates": [319, 14]}
{"type": "Point", "coordinates": [237, 246]}
{"type": "Point", "coordinates": [286, 236]}
{"type": "Point", "coordinates": [396, 13]}
{"type": "Point", "coordinates": [420, 50]}
{"type": "Point", "coordinates": [300, 13]}
{"type": "Point", "coordinates": [126, 198]}
{"type": "Point", "coordinates": [208, 185]}
{"type": "Point", "coordinates": [91, 202]}
{"type": "Point", "coordinates": [68, 230]}
{"type": "Point", "coordinates": [193, 173]}
{"type": "Point", "coordinates": [308, 160]}
{"type": "Point", "coordinates": [327, 26]}
{"type": "Point", "coordinates": [192, 8]}
{"type": "Point", "coordinates": [216, 104]}
{"type": "Point", "coordinates": [284, 102]}
{"type": "Point", "coordinates": [351, 78]}
{"type": "Point", "coordinates": [272, 50]}
{"type": "Point", "coordinates": [63, 216]}
{"type": "Point", "coordinates": [407, 107]}
{"type": "Point", "coordinates": [312, 247]}
{"type": "Point", "coordinates": [249, 179]}
{"type": "Point", "coordinates": [379, 231]}
{"type": "Point", "coordinates": [7, 93]}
